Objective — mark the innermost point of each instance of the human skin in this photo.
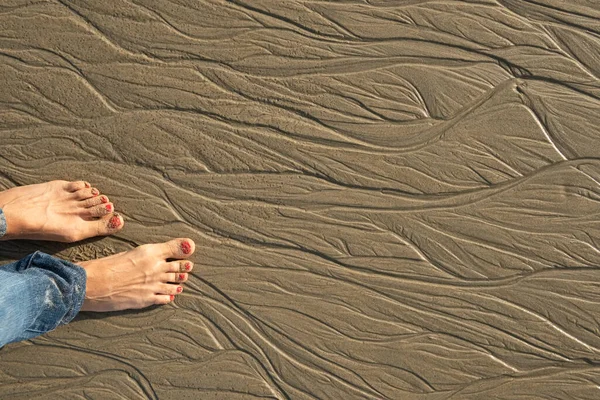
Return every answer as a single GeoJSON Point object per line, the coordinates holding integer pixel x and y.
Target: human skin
{"type": "Point", "coordinates": [138, 278]}
{"type": "Point", "coordinates": [59, 211]}
{"type": "Point", "coordinates": [71, 211]}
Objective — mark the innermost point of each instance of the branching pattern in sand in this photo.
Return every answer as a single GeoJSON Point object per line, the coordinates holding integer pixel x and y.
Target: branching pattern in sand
{"type": "Point", "coordinates": [390, 199]}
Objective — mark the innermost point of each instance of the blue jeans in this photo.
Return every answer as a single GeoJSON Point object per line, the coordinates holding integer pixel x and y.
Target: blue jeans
{"type": "Point", "coordinates": [37, 294]}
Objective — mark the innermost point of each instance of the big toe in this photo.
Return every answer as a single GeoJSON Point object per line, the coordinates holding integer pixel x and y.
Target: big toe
{"type": "Point", "coordinates": [76, 185]}
{"type": "Point", "coordinates": [109, 224]}
{"type": "Point", "coordinates": [178, 248]}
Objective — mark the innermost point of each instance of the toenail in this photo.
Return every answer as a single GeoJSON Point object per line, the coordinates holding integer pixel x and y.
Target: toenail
{"type": "Point", "coordinates": [172, 297]}
{"type": "Point", "coordinates": [114, 222]}
{"type": "Point", "coordinates": [181, 277]}
{"type": "Point", "coordinates": [104, 199]}
{"type": "Point", "coordinates": [188, 266]}
{"type": "Point", "coordinates": [87, 184]}
{"type": "Point", "coordinates": [95, 192]}
{"type": "Point", "coordinates": [179, 289]}
{"type": "Point", "coordinates": [186, 247]}
{"type": "Point", "coordinates": [109, 207]}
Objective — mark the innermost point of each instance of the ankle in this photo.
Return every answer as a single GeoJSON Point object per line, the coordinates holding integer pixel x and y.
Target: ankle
{"type": "Point", "coordinates": [16, 227]}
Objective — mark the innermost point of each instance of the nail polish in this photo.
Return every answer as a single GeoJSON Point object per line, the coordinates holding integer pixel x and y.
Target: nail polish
{"type": "Point", "coordinates": [186, 247]}
{"type": "Point", "coordinates": [114, 222]}
{"type": "Point", "coordinates": [109, 207]}
{"type": "Point", "coordinates": [181, 277]}
{"type": "Point", "coordinates": [179, 289]}
{"type": "Point", "coordinates": [188, 266]}
{"type": "Point", "coordinates": [104, 199]}
{"type": "Point", "coordinates": [172, 297]}
{"type": "Point", "coordinates": [95, 192]}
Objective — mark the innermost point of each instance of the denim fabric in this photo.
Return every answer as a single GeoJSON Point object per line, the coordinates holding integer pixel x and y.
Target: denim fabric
{"type": "Point", "coordinates": [2, 223]}
{"type": "Point", "coordinates": [37, 294]}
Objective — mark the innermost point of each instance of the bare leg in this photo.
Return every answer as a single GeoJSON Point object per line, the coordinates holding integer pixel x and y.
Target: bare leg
{"type": "Point", "coordinates": [58, 210]}
{"type": "Point", "coordinates": [137, 278]}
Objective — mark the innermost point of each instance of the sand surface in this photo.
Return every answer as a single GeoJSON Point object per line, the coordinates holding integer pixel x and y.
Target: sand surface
{"type": "Point", "coordinates": [390, 199]}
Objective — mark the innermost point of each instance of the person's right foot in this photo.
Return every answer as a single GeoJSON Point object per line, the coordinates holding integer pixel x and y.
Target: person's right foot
{"type": "Point", "coordinates": [58, 210]}
{"type": "Point", "coordinates": [137, 278]}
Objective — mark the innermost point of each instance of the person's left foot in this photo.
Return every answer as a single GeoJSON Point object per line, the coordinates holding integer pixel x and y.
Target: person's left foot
{"type": "Point", "coordinates": [138, 278]}
{"type": "Point", "coordinates": [58, 210]}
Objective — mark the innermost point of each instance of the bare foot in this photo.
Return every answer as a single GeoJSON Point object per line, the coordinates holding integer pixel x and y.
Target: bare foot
{"type": "Point", "coordinates": [137, 278]}
{"type": "Point", "coordinates": [59, 211]}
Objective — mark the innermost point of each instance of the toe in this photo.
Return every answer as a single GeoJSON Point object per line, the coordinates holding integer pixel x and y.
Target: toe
{"type": "Point", "coordinates": [109, 224]}
{"type": "Point", "coordinates": [163, 298]}
{"type": "Point", "coordinates": [175, 277]}
{"type": "Point", "coordinates": [76, 185]}
{"type": "Point", "coordinates": [179, 266]}
{"type": "Point", "coordinates": [100, 210]}
{"type": "Point", "coordinates": [178, 248]}
{"type": "Point", "coordinates": [170, 289]}
{"type": "Point", "coordinates": [86, 193]}
{"type": "Point", "coordinates": [94, 201]}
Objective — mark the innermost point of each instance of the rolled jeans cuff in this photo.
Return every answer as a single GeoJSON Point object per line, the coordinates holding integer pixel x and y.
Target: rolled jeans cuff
{"type": "Point", "coordinates": [64, 297]}
{"type": "Point", "coordinates": [2, 223]}
{"type": "Point", "coordinates": [40, 293]}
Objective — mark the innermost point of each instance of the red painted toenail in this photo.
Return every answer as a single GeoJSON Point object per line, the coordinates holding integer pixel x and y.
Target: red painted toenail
{"type": "Point", "coordinates": [172, 297]}
{"type": "Point", "coordinates": [181, 277]}
{"type": "Point", "coordinates": [109, 207]}
{"type": "Point", "coordinates": [179, 289]}
{"type": "Point", "coordinates": [95, 192]}
{"type": "Point", "coordinates": [188, 266]}
{"type": "Point", "coordinates": [186, 247]}
{"type": "Point", "coordinates": [114, 222]}
{"type": "Point", "coordinates": [104, 199]}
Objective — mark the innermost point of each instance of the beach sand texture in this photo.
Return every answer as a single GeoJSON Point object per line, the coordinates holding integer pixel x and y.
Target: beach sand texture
{"type": "Point", "coordinates": [389, 199]}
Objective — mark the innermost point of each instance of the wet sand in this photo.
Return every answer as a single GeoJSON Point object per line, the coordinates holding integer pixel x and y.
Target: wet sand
{"type": "Point", "coordinates": [390, 199]}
